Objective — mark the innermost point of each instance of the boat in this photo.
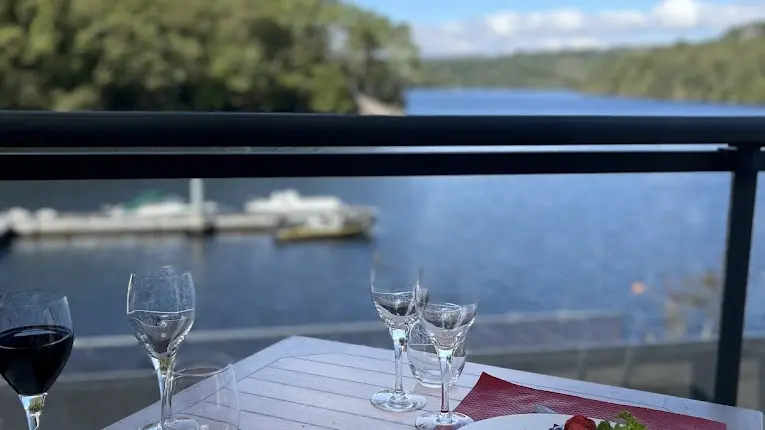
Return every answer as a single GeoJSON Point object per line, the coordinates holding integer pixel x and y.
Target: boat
{"type": "Point", "coordinates": [152, 203]}
{"type": "Point", "coordinates": [295, 210]}
{"type": "Point", "coordinates": [290, 201]}
{"type": "Point", "coordinates": [325, 227]}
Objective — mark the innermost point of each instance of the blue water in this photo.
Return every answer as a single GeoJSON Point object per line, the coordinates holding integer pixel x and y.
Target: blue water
{"type": "Point", "coordinates": [526, 244]}
{"type": "Point", "coordinates": [541, 102]}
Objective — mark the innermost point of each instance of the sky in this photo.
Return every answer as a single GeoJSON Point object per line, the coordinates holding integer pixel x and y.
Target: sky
{"type": "Point", "coordinates": [487, 27]}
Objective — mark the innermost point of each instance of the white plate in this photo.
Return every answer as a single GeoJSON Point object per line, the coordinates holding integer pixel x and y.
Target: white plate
{"type": "Point", "coordinates": [522, 422]}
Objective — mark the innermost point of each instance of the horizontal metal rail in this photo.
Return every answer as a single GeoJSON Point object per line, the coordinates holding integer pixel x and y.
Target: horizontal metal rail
{"type": "Point", "coordinates": [83, 165]}
{"type": "Point", "coordinates": [152, 129]}
{"type": "Point", "coordinates": [119, 145]}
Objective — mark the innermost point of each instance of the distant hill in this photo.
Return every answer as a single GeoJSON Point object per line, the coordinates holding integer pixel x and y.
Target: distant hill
{"type": "Point", "coordinates": [533, 70]}
{"type": "Point", "coordinates": [730, 68]}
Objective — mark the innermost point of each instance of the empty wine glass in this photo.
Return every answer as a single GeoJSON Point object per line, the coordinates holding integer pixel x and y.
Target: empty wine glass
{"type": "Point", "coordinates": [424, 362]}
{"type": "Point", "coordinates": [393, 297]}
{"type": "Point", "coordinates": [160, 307]}
{"type": "Point", "coordinates": [446, 309]}
{"type": "Point", "coordinates": [36, 339]}
{"type": "Point", "coordinates": [205, 398]}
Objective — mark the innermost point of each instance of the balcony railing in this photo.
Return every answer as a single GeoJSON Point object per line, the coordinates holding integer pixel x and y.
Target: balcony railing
{"type": "Point", "coordinates": [140, 145]}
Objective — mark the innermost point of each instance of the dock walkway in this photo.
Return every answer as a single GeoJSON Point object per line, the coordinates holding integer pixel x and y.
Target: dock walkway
{"type": "Point", "coordinates": [165, 214]}
{"type": "Point", "coordinates": [89, 224]}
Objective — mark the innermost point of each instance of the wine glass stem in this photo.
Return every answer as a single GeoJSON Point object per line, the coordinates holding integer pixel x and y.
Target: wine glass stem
{"type": "Point", "coordinates": [445, 359]}
{"type": "Point", "coordinates": [165, 371]}
{"type": "Point", "coordinates": [399, 346]}
{"type": "Point", "coordinates": [33, 407]}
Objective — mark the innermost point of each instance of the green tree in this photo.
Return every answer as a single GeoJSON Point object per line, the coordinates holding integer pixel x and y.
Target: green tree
{"type": "Point", "coordinates": [254, 55]}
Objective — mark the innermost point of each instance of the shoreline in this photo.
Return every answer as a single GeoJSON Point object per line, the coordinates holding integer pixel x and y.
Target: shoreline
{"type": "Point", "coordinates": [371, 106]}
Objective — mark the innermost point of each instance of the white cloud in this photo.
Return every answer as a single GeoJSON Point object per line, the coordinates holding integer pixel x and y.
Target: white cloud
{"type": "Point", "coordinates": [571, 28]}
{"type": "Point", "coordinates": [677, 13]}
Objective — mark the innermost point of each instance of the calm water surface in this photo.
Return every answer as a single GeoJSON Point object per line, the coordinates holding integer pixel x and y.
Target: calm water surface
{"type": "Point", "coordinates": [530, 243]}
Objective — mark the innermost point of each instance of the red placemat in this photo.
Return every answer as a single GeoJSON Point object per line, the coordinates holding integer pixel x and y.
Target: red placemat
{"type": "Point", "coordinates": [492, 397]}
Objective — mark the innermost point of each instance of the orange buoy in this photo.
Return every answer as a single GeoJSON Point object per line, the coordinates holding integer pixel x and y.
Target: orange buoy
{"type": "Point", "coordinates": [638, 288]}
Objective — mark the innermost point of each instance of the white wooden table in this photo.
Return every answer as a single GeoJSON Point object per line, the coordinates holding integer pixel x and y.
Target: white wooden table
{"type": "Point", "coordinates": [305, 383]}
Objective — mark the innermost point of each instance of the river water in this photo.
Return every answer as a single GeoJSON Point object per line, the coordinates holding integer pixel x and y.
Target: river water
{"type": "Point", "coordinates": [530, 243]}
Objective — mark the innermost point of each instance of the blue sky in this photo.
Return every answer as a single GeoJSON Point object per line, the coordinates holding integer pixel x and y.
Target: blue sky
{"type": "Point", "coordinates": [460, 27]}
{"type": "Point", "coordinates": [429, 12]}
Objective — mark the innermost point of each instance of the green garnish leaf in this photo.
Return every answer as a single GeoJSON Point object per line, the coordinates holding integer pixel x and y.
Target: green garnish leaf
{"type": "Point", "coordinates": [630, 423]}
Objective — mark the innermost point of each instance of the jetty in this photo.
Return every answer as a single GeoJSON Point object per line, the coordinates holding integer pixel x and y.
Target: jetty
{"type": "Point", "coordinates": [172, 215]}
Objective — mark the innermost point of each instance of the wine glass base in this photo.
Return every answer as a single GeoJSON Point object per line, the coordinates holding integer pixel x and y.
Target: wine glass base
{"type": "Point", "coordinates": [385, 400]}
{"type": "Point", "coordinates": [434, 420]}
{"type": "Point", "coordinates": [178, 423]}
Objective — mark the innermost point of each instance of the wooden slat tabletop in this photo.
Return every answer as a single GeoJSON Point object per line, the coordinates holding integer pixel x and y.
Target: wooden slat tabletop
{"type": "Point", "coordinates": [305, 383]}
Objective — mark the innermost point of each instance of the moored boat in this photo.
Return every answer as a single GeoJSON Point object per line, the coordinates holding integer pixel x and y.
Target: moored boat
{"type": "Point", "coordinates": [282, 201]}
{"type": "Point", "coordinates": [326, 227]}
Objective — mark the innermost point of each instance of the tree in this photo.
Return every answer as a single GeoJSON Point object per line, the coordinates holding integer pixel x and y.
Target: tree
{"type": "Point", "coordinates": [253, 55]}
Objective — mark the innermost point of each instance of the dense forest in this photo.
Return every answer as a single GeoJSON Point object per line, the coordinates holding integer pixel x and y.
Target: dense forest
{"type": "Point", "coordinates": [254, 55]}
{"type": "Point", "coordinates": [731, 69]}
{"type": "Point", "coordinates": [533, 70]}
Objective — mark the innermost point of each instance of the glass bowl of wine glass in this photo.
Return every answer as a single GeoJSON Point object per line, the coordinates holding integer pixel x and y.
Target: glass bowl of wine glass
{"type": "Point", "coordinates": [423, 358]}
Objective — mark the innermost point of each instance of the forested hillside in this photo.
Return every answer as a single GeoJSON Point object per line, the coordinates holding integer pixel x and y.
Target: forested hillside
{"type": "Point", "coordinates": [255, 55]}
{"type": "Point", "coordinates": [730, 68]}
{"type": "Point", "coordinates": [522, 70]}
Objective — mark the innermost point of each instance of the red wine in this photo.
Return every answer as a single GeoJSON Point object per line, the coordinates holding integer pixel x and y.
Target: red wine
{"type": "Point", "coordinates": [32, 357]}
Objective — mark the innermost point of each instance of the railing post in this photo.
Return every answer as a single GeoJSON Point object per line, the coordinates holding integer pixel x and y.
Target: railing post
{"type": "Point", "coordinates": [738, 246]}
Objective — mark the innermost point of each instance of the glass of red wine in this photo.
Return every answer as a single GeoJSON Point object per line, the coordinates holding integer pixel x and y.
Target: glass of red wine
{"type": "Point", "coordinates": [36, 339]}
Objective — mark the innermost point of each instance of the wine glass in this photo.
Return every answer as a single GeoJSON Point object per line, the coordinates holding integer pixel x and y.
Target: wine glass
{"type": "Point", "coordinates": [446, 309]}
{"type": "Point", "coordinates": [36, 339]}
{"type": "Point", "coordinates": [393, 297]}
{"type": "Point", "coordinates": [424, 362]}
{"type": "Point", "coordinates": [160, 307]}
{"type": "Point", "coordinates": [205, 398]}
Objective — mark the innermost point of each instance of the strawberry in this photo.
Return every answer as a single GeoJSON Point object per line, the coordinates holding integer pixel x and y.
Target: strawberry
{"type": "Point", "coordinates": [579, 422]}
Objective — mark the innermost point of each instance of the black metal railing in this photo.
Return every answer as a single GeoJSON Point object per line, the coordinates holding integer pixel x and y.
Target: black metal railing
{"type": "Point", "coordinates": [52, 146]}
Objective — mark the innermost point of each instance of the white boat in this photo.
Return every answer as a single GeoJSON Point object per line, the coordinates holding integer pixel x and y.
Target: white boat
{"type": "Point", "coordinates": [290, 201]}
{"type": "Point", "coordinates": [292, 209]}
{"type": "Point", "coordinates": [169, 206]}
{"type": "Point", "coordinates": [152, 204]}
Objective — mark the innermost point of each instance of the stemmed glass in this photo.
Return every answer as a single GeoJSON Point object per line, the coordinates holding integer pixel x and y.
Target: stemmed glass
{"type": "Point", "coordinates": [36, 339]}
{"type": "Point", "coordinates": [393, 297]}
{"type": "Point", "coordinates": [160, 307]}
{"type": "Point", "coordinates": [217, 386]}
{"type": "Point", "coordinates": [446, 309]}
